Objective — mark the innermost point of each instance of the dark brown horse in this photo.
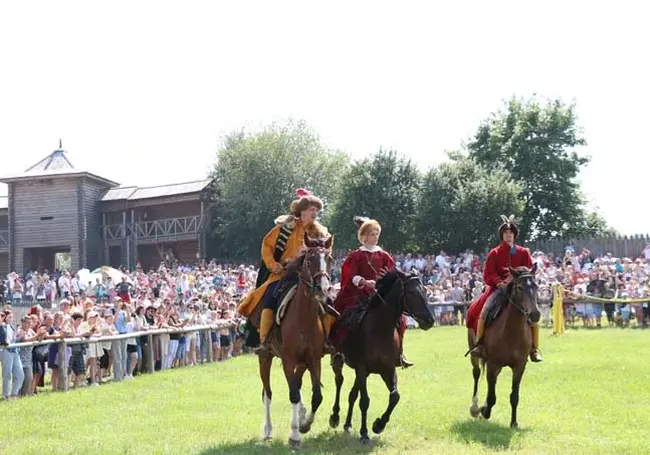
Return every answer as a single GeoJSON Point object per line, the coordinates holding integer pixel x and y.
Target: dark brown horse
{"type": "Point", "coordinates": [507, 342]}
{"type": "Point", "coordinates": [373, 346]}
{"type": "Point", "coordinates": [300, 339]}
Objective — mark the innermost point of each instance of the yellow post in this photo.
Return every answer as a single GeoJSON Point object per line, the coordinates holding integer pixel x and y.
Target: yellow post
{"type": "Point", "coordinates": [558, 309]}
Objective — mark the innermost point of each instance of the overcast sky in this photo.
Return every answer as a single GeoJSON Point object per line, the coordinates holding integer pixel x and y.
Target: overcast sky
{"type": "Point", "coordinates": [141, 92]}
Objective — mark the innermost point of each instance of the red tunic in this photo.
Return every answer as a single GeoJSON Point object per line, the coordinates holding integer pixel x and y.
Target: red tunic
{"type": "Point", "coordinates": [365, 264]}
{"type": "Point", "coordinates": [496, 271]}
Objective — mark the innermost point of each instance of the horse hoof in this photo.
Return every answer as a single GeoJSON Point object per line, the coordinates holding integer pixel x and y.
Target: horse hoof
{"type": "Point", "coordinates": [267, 438]}
{"type": "Point", "coordinates": [378, 426]}
{"type": "Point", "coordinates": [304, 428]}
{"type": "Point", "coordinates": [334, 421]}
{"type": "Point", "coordinates": [514, 425]}
{"type": "Point", "coordinates": [485, 413]}
{"type": "Point", "coordinates": [364, 439]}
{"type": "Point", "coordinates": [474, 411]}
{"type": "Point", "coordinates": [347, 428]}
{"type": "Point", "coordinates": [295, 445]}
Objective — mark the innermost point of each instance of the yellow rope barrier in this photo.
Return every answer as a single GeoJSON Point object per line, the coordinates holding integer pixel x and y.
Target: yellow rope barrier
{"type": "Point", "coordinates": [582, 297]}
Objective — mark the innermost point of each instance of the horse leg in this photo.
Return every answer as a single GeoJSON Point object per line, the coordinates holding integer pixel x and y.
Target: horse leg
{"type": "Point", "coordinates": [517, 374]}
{"type": "Point", "coordinates": [492, 374]}
{"type": "Point", "coordinates": [476, 372]}
{"type": "Point", "coordinates": [302, 412]}
{"type": "Point", "coordinates": [390, 379]}
{"type": "Point", "coordinates": [364, 404]}
{"type": "Point", "coordinates": [316, 396]}
{"type": "Point", "coordinates": [337, 367]}
{"type": "Point", "coordinates": [265, 363]}
{"type": "Point", "coordinates": [294, 382]}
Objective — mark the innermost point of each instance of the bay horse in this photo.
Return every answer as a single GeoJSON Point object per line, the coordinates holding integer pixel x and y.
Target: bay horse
{"type": "Point", "coordinates": [373, 346]}
{"type": "Point", "coordinates": [507, 341]}
{"type": "Point", "coordinates": [299, 340]}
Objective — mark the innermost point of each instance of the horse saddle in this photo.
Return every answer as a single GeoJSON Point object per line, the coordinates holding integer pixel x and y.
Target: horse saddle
{"type": "Point", "coordinates": [494, 305]}
{"type": "Point", "coordinates": [352, 317]}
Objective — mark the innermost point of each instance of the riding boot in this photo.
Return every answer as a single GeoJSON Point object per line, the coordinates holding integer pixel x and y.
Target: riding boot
{"type": "Point", "coordinates": [535, 353]}
{"type": "Point", "coordinates": [401, 361]}
{"type": "Point", "coordinates": [477, 350]}
{"type": "Point", "coordinates": [266, 323]}
{"type": "Point", "coordinates": [328, 322]}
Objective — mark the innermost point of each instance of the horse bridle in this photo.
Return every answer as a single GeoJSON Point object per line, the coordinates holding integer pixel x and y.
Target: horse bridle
{"type": "Point", "coordinates": [402, 297]}
{"type": "Point", "coordinates": [312, 278]}
{"type": "Point", "coordinates": [511, 301]}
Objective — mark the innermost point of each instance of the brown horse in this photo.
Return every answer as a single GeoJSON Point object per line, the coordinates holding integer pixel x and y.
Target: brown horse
{"type": "Point", "coordinates": [507, 341]}
{"type": "Point", "coordinates": [300, 339]}
{"type": "Point", "coordinates": [373, 346]}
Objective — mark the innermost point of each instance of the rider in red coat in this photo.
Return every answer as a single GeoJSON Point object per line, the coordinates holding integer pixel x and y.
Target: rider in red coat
{"type": "Point", "coordinates": [361, 270]}
{"type": "Point", "coordinates": [497, 276]}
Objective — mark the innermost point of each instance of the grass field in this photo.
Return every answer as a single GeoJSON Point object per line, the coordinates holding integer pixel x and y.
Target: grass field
{"type": "Point", "coordinates": [591, 395]}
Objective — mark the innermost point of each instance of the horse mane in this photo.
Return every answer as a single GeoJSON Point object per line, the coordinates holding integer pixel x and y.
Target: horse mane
{"type": "Point", "coordinates": [383, 286]}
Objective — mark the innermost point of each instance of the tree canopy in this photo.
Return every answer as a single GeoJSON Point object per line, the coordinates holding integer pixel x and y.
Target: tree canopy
{"type": "Point", "coordinates": [255, 178]}
{"type": "Point", "coordinates": [537, 143]}
{"type": "Point", "coordinates": [384, 186]}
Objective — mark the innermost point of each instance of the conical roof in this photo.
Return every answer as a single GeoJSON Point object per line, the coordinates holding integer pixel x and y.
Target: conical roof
{"type": "Point", "coordinates": [55, 161]}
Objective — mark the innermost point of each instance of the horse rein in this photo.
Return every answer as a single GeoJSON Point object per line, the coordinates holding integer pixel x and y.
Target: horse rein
{"type": "Point", "coordinates": [312, 278]}
{"type": "Point", "coordinates": [511, 301]}
{"type": "Point", "coordinates": [402, 297]}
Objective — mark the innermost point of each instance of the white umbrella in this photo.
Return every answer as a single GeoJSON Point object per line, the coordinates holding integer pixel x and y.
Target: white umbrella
{"type": "Point", "coordinates": [115, 274]}
{"type": "Point", "coordinates": [86, 275]}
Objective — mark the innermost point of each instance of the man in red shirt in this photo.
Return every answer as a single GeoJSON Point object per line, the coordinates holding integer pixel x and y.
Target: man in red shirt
{"type": "Point", "coordinates": [496, 275]}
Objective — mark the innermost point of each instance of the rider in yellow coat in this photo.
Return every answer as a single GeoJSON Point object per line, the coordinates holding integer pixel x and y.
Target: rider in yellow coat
{"type": "Point", "coordinates": [287, 236]}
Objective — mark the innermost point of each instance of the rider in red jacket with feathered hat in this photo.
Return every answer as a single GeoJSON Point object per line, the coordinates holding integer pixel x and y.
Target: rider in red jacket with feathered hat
{"type": "Point", "coordinates": [496, 275]}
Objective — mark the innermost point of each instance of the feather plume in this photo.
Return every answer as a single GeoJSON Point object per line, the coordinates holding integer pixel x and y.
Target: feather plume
{"type": "Point", "coordinates": [359, 220]}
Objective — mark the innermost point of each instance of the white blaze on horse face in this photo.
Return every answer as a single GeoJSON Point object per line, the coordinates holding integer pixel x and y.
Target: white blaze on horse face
{"type": "Point", "coordinates": [324, 283]}
{"type": "Point", "coordinates": [323, 262]}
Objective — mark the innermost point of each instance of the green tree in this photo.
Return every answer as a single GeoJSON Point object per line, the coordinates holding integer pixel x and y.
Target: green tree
{"type": "Point", "coordinates": [255, 178]}
{"type": "Point", "coordinates": [383, 186]}
{"type": "Point", "coordinates": [536, 143]}
{"type": "Point", "coordinates": [592, 224]}
{"type": "Point", "coordinates": [461, 203]}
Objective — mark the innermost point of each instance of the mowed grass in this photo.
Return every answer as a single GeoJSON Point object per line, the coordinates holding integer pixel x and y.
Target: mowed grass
{"type": "Point", "coordinates": [591, 396]}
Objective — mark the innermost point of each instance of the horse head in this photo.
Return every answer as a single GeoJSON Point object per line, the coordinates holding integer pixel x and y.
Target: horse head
{"type": "Point", "coordinates": [407, 291]}
{"type": "Point", "coordinates": [315, 272]}
{"type": "Point", "coordinates": [523, 292]}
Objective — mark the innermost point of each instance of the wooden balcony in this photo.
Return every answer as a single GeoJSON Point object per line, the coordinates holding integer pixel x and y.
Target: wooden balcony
{"type": "Point", "coordinates": [165, 230]}
{"type": "Point", "coordinates": [4, 240]}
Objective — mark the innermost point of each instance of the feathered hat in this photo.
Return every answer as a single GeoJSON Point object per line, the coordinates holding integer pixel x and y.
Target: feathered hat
{"type": "Point", "coordinates": [365, 225]}
{"type": "Point", "coordinates": [508, 224]}
{"type": "Point", "coordinates": [305, 200]}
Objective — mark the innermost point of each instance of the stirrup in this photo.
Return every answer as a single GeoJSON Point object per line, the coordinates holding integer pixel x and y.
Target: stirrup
{"type": "Point", "coordinates": [536, 355]}
{"type": "Point", "coordinates": [477, 351]}
{"type": "Point", "coordinates": [263, 348]}
{"type": "Point", "coordinates": [402, 362]}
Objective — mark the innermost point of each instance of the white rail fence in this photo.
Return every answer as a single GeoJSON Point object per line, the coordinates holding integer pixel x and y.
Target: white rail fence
{"type": "Point", "coordinates": [148, 347]}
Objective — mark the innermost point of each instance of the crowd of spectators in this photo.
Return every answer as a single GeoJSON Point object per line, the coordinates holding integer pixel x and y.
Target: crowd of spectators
{"type": "Point", "coordinates": [170, 297]}
{"type": "Point", "coordinates": [63, 304]}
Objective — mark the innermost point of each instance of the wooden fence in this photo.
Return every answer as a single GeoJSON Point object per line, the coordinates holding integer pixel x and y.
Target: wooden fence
{"type": "Point", "coordinates": [618, 246]}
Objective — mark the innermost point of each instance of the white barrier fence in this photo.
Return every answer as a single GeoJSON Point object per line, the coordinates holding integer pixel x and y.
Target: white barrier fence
{"type": "Point", "coordinates": [148, 346]}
